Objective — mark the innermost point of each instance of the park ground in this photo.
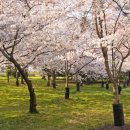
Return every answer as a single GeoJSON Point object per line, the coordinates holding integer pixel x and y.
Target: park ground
{"type": "Point", "coordinates": [86, 110]}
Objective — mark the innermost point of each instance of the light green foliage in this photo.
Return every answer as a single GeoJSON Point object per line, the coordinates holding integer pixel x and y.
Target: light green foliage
{"type": "Point", "coordinates": [88, 109]}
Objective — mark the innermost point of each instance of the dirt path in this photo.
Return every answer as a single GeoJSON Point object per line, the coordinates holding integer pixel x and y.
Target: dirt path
{"type": "Point", "coordinates": [111, 127]}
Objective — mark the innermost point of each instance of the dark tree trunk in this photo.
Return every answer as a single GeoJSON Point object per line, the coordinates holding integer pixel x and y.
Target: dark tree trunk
{"type": "Point", "coordinates": [78, 86]}
{"type": "Point", "coordinates": [17, 79]}
{"type": "Point", "coordinates": [22, 80]}
{"type": "Point", "coordinates": [54, 84]}
{"type": "Point", "coordinates": [54, 79]}
{"type": "Point", "coordinates": [33, 104]}
{"type": "Point", "coordinates": [17, 82]}
{"type": "Point", "coordinates": [128, 79]}
{"type": "Point", "coordinates": [67, 93]}
{"type": "Point", "coordinates": [107, 86]}
{"type": "Point", "coordinates": [129, 76]}
{"type": "Point", "coordinates": [8, 77]}
{"type": "Point", "coordinates": [118, 115]}
{"type": "Point", "coordinates": [48, 80]}
{"type": "Point", "coordinates": [102, 84]}
{"type": "Point", "coordinates": [32, 108]}
{"type": "Point", "coordinates": [128, 82]}
{"type": "Point", "coordinates": [67, 89]}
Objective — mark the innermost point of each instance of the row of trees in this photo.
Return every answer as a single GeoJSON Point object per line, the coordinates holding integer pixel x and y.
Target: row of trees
{"type": "Point", "coordinates": [68, 36]}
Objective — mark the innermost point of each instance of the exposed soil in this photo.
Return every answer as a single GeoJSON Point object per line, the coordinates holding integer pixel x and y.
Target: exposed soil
{"type": "Point", "coordinates": [111, 127]}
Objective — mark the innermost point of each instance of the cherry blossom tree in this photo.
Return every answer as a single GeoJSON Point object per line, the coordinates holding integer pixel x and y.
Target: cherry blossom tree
{"type": "Point", "coordinates": [113, 31]}
{"type": "Point", "coordinates": [21, 36]}
{"type": "Point", "coordinates": [75, 32]}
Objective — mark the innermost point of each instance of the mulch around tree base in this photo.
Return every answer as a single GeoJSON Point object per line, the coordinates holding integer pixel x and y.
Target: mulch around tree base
{"type": "Point", "coordinates": [111, 127]}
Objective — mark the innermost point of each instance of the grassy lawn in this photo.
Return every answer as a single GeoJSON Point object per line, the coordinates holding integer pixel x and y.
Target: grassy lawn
{"type": "Point", "coordinates": [86, 110]}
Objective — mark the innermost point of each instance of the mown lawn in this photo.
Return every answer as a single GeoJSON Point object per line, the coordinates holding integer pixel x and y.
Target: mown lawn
{"type": "Point", "coordinates": [85, 110]}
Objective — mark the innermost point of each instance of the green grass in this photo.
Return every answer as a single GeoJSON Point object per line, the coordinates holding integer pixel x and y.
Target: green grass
{"type": "Point", "coordinates": [85, 110]}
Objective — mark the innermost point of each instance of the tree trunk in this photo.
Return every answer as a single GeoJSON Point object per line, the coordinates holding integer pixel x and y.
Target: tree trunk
{"type": "Point", "coordinates": [32, 108]}
{"type": "Point", "coordinates": [117, 108]}
{"type": "Point", "coordinates": [77, 83]}
{"type": "Point", "coordinates": [8, 77]}
{"type": "Point", "coordinates": [107, 86]}
{"type": "Point", "coordinates": [116, 94]}
{"type": "Point", "coordinates": [118, 115]}
{"type": "Point", "coordinates": [17, 79]}
{"type": "Point", "coordinates": [66, 82]}
{"type": "Point", "coordinates": [102, 84]}
{"type": "Point", "coordinates": [48, 80]}
{"type": "Point", "coordinates": [67, 89]}
{"type": "Point", "coordinates": [78, 86]}
{"type": "Point", "coordinates": [67, 92]}
{"type": "Point", "coordinates": [128, 80]}
{"type": "Point", "coordinates": [54, 79]}
{"type": "Point", "coordinates": [22, 80]}
{"type": "Point", "coordinates": [129, 75]}
{"type": "Point", "coordinates": [33, 104]}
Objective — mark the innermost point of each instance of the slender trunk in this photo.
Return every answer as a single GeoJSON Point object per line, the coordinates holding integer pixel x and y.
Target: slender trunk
{"type": "Point", "coordinates": [17, 78]}
{"type": "Point", "coordinates": [102, 84]}
{"type": "Point", "coordinates": [54, 79]}
{"type": "Point", "coordinates": [128, 78]}
{"type": "Point", "coordinates": [67, 78]}
{"type": "Point", "coordinates": [8, 77]}
{"type": "Point", "coordinates": [116, 94]}
{"type": "Point", "coordinates": [14, 73]}
{"type": "Point", "coordinates": [107, 86]}
{"type": "Point", "coordinates": [48, 80]}
{"type": "Point", "coordinates": [32, 108]}
{"type": "Point", "coordinates": [77, 83]}
{"type": "Point", "coordinates": [67, 89]}
{"type": "Point", "coordinates": [78, 86]}
{"type": "Point", "coordinates": [129, 75]}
